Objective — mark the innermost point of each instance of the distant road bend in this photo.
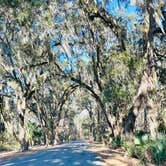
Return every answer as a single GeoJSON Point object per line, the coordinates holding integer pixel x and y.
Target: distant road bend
{"type": "Point", "coordinates": [70, 154]}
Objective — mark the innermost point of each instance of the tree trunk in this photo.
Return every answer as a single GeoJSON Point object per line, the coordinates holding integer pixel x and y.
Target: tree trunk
{"type": "Point", "coordinates": [128, 123]}
{"type": "Point", "coordinates": [52, 136]}
{"type": "Point", "coordinates": [57, 140]}
{"type": "Point", "coordinates": [92, 133]}
{"type": "Point", "coordinates": [47, 137]}
{"type": "Point", "coordinates": [98, 134]}
{"type": "Point", "coordinates": [21, 107]}
{"type": "Point", "coordinates": [152, 118]}
{"type": "Point", "coordinates": [24, 145]}
{"type": "Point", "coordinates": [148, 81]}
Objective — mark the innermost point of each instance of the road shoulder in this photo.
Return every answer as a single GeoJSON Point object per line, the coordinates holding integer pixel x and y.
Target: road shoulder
{"type": "Point", "coordinates": [12, 154]}
{"type": "Point", "coordinates": [114, 157]}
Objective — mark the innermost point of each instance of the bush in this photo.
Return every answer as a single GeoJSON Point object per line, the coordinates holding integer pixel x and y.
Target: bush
{"type": "Point", "coordinates": [8, 142]}
{"type": "Point", "coordinates": [116, 142]}
{"type": "Point", "coordinates": [156, 151]}
{"type": "Point", "coordinates": [147, 149]}
{"type": "Point", "coordinates": [3, 148]}
{"type": "Point", "coordinates": [137, 152]}
{"type": "Point", "coordinates": [34, 133]}
{"type": "Point", "coordinates": [141, 138]}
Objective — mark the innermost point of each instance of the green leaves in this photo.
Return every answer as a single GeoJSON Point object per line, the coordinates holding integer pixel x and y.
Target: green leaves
{"type": "Point", "coordinates": [157, 151]}
{"type": "Point", "coordinates": [10, 3]}
{"type": "Point", "coordinates": [141, 139]}
{"type": "Point", "coordinates": [18, 3]}
{"type": "Point", "coordinates": [117, 69]}
{"type": "Point", "coordinates": [115, 92]}
{"type": "Point", "coordinates": [47, 18]}
{"type": "Point", "coordinates": [23, 18]}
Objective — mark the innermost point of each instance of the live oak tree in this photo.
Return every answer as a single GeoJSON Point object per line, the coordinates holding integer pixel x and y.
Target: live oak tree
{"type": "Point", "coordinates": [148, 85]}
{"type": "Point", "coordinates": [17, 48]}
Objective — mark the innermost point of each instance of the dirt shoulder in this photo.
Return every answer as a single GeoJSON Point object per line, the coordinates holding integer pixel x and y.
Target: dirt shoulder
{"type": "Point", "coordinates": [13, 154]}
{"type": "Point", "coordinates": [113, 157]}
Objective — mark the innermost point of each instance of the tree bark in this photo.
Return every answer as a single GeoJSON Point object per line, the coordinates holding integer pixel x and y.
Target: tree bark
{"type": "Point", "coordinates": [21, 107]}
{"type": "Point", "coordinates": [152, 118]}
{"type": "Point", "coordinates": [148, 81]}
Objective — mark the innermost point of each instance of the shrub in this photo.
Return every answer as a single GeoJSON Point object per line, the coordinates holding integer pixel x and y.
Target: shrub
{"type": "Point", "coordinates": [156, 151]}
{"type": "Point", "coordinates": [137, 152]}
{"type": "Point", "coordinates": [141, 138]}
{"type": "Point", "coordinates": [7, 142]}
{"type": "Point", "coordinates": [116, 142]}
{"type": "Point", "coordinates": [147, 149]}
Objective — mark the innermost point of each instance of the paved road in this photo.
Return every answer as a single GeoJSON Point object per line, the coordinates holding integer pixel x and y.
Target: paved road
{"type": "Point", "coordinates": [71, 154]}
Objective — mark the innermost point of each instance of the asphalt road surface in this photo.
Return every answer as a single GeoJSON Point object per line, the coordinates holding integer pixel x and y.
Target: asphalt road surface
{"type": "Point", "coordinates": [70, 154]}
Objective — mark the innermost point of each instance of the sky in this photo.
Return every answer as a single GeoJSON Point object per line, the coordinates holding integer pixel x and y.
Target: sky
{"type": "Point", "coordinates": [113, 6]}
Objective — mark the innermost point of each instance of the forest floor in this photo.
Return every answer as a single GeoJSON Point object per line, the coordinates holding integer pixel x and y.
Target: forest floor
{"type": "Point", "coordinates": [70, 151]}
{"type": "Point", "coordinates": [115, 157]}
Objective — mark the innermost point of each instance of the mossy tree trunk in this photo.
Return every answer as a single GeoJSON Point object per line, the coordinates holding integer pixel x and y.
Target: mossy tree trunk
{"type": "Point", "coordinates": [148, 81]}
{"type": "Point", "coordinates": [21, 110]}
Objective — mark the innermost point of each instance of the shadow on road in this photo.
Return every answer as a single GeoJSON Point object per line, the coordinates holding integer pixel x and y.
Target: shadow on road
{"type": "Point", "coordinates": [71, 154]}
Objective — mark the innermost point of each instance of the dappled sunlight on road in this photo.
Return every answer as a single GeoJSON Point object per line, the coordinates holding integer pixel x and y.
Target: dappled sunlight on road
{"type": "Point", "coordinates": [71, 154]}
